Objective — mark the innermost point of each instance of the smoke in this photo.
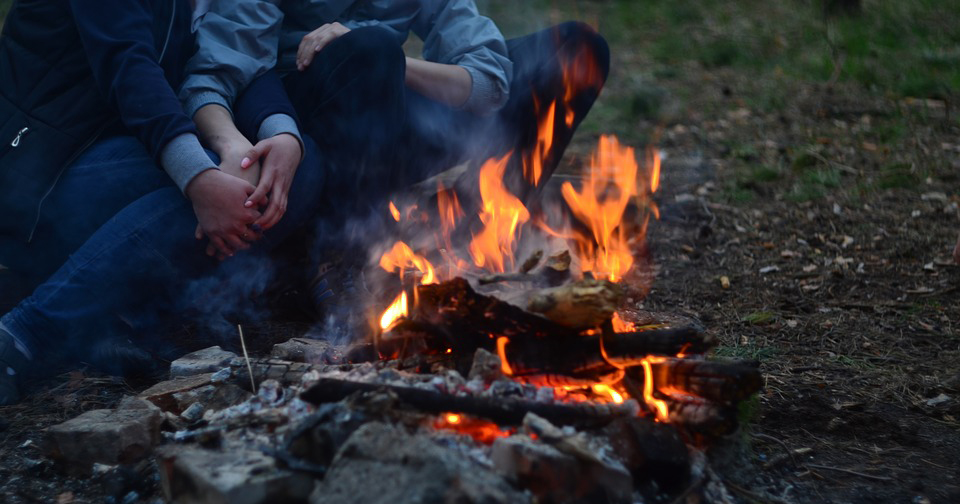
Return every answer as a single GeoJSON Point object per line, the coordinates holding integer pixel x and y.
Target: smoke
{"type": "Point", "coordinates": [230, 295]}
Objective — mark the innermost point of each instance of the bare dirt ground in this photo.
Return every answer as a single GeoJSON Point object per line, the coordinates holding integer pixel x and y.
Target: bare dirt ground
{"type": "Point", "coordinates": [830, 209]}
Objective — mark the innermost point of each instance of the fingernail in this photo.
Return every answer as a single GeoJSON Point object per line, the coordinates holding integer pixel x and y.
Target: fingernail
{"type": "Point", "coordinates": [244, 161]}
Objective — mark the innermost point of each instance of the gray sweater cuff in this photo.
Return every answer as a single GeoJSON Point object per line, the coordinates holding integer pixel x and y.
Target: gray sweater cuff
{"type": "Point", "coordinates": [486, 96]}
{"type": "Point", "coordinates": [198, 100]}
{"type": "Point", "coordinates": [277, 124]}
{"type": "Point", "coordinates": [183, 158]}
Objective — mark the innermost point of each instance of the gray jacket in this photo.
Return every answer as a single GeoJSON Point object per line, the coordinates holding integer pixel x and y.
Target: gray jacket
{"type": "Point", "coordinates": [240, 39]}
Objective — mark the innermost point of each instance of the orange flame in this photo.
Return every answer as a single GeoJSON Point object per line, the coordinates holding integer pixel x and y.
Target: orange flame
{"type": "Point", "coordinates": [653, 160]}
{"type": "Point", "coordinates": [600, 205]}
{"type": "Point", "coordinates": [453, 418]}
{"type": "Point", "coordinates": [394, 312]}
{"type": "Point", "coordinates": [401, 256]}
{"type": "Point", "coordinates": [622, 326]}
{"type": "Point", "coordinates": [533, 167]}
{"type": "Point", "coordinates": [658, 405]}
{"type": "Point", "coordinates": [394, 212]}
{"type": "Point", "coordinates": [450, 210]}
{"type": "Point", "coordinates": [502, 214]}
{"type": "Point", "coordinates": [579, 73]}
{"type": "Point", "coordinates": [502, 352]}
{"type": "Point", "coordinates": [607, 390]}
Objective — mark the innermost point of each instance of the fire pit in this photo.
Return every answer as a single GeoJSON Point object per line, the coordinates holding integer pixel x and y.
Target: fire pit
{"type": "Point", "coordinates": [480, 378]}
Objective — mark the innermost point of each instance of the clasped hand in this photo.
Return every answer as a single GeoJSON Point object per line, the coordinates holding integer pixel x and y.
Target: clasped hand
{"type": "Point", "coordinates": [247, 195]}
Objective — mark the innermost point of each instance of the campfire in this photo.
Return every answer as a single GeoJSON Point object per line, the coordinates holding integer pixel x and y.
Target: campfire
{"type": "Point", "coordinates": [502, 363]}
{"type": "Point", "coordinates": [552, 318]}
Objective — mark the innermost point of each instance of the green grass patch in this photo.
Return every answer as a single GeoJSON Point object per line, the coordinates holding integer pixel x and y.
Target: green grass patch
{"type": "Point", "coordinates": [747, 352]}
{"type": "Point", "coordinates": [760, 317]}
{"type": "Point", "coordinates": [898, 176]}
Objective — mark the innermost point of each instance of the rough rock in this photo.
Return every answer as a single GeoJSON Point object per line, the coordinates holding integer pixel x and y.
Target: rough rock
{"type": "Point", "coordinates": [558, 477]}
{"type": "Point", "coordinates": [651, 451]}
{"type": "Point", "coordinates": [207, 360]}
{"type": "Point", "coordinates": [213, 397]}
{"type": "Point", "coordinates": [119, 436]}
{"type": "Point", "coordinates": [382, 464]}
{"type": "Point", "coordinates": [233, 475]}
{"type": "Point", "coordinates": [486, 367]}
{"type": "Point", "coordinates": [162, 394]}
{"type": "Point", "coordinates": [307, 350]}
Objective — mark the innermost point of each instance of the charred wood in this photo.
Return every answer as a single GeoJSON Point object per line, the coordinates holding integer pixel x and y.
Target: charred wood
{"type": "Point", "coordinates": [628, 349]}
{"type": "Point", "coordinates": [718, 381]}
{"type": "Point", "coordinates": [504, 411]}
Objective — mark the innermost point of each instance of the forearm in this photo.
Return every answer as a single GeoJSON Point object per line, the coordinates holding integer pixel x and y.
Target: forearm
{"type": "Point", "coordinates": [447, 84]}
{"type": "Point", "coordinates": [217, 129]}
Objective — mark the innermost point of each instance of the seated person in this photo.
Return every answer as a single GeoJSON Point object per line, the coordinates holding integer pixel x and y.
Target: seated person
{"type": "Point", "coordinates": [398, 120]}
{"type": "Point", "coordinates": [87, 213]}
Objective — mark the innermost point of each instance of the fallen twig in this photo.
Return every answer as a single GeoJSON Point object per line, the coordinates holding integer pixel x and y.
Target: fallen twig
{"type": "Point", "coordinates": [243, 345]}
{"type": "Point", "coordinates": [848, 471]}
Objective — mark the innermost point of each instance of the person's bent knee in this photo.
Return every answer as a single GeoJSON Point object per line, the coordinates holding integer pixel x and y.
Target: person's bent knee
{"type": "Point", "coordinates": [584, 42]}
{"type": "Point", "coordinates": [375, 49]}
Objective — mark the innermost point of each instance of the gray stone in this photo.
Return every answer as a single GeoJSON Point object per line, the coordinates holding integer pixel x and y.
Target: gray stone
{"type": "Point", "coordinates": [556, 476]}
{"type": "Point", "coordinates": [213, 397]}
{"type": "Point", "coordinates": [307, 350]}
{"type": "Point", "coordinates": [234, 475]}
{"type": "Point", "coordinates": [207, 360]}
{"type": "Point", "coordinates": [382, 464]}
{"type": "Point", "coordinates": [105, 436]}
{"type": "Point", "coordinates": [486, 367]}
{"type": "Point", "coordinates": [162, 394]}
{"type": "Point", "coordinates": [193, 413]}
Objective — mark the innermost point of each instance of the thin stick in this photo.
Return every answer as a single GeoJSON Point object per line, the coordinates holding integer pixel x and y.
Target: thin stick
{"type": "Point", "coordinates": [848, 471]}
{"type": "Point", "coordinates": [243, 345]}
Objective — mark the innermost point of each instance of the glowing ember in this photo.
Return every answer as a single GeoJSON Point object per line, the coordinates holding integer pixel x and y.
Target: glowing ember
{"type": "Point", "coordinates": [396, 310]}
{"type": "Point", "coordinates": [394, 212]}
{"type": "Point", "coordinates": [600, 205]}
{"type": "Point", "coordinates": [482, 431]}
{"type": "Point", "coordinates": [607, 391]}
{"type": "Point", "coordinates": [502, 215]}
{"type": "Point", "coordinates": [502, 352]}
{"type": "Point", "coordinates": [401, 257]}
{"type": "Point", "coordinates": [659, 406]}
{"type": "Point", "coordinates": [622, 326]}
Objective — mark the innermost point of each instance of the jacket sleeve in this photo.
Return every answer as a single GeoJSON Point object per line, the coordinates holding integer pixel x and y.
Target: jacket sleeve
{"type": "Point", "coordinates": [117, 37]}
{"type": "Point", "coordinates": [236, 42]}
{"type": "Point", "coordinates": [263, 109]}
{"type": "Point", "coordinates": [454, 32]}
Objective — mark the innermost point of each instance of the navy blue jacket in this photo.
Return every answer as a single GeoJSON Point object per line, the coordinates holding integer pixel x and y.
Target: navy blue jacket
{"type": "Point", "coordinates": [71, 70]}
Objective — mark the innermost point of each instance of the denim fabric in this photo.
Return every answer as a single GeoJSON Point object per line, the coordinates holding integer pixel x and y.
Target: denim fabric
{"type": "Point", "coordinates": [143, 256]}
{"type": "Point", "coordinates": [353, 101]}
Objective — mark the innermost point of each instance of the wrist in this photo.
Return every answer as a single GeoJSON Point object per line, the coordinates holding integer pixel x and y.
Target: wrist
{"type": "Point", "coordinates": [196, 185]}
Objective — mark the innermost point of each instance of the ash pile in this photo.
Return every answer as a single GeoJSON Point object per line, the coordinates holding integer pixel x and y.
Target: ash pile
{"type": "Point", "coordinates": [325, 428]}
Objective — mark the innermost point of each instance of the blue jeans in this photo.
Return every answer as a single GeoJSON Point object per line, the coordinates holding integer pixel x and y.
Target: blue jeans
{"type": "Point", "coordinates": [123, 235]}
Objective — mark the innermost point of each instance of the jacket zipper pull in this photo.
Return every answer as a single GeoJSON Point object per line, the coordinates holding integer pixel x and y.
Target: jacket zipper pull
{"type": "Point", "coordinates": [16, 140]}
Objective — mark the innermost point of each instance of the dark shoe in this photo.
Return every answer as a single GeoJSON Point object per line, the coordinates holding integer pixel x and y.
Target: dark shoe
{"type": "Point", "coordinates": [12, 366]}
{"type": "Point", "coordinates": [121, 357]}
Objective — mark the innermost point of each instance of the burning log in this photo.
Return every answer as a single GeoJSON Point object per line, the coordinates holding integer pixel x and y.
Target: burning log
{"type": "Point", "coordinates": [504, 411]}
{"type": "Point", "coordinates": [628, 349]}
{"type": "Point", "coordinates": [718, 381]}
{"type": "Point", "coordinates": [583, 304]}
{"type": "Point", "coordinates": [554, 272]}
